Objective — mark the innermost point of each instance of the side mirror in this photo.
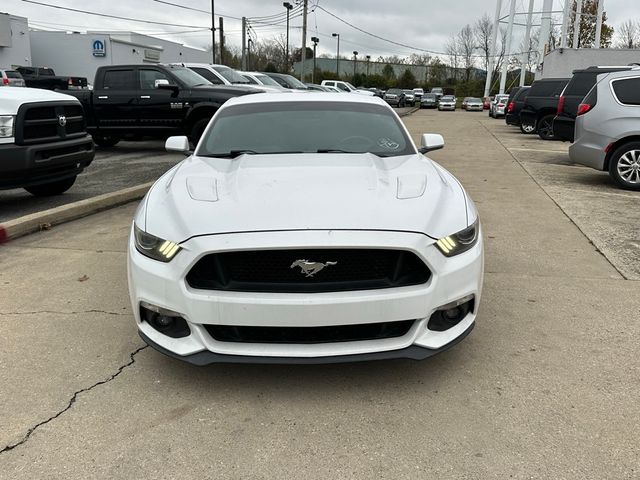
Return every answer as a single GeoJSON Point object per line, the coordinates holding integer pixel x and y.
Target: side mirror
{"type": "Point", "coordinates": [178, 144]}
{"type": "Point", "coordinates": [430, 142]}
{"type": "Point", "coordinates": [161, 81]}
{"type": "Point", "coordinates": [163, 84]}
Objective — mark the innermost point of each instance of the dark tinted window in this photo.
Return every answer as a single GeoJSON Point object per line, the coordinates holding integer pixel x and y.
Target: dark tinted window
{"type": "Point", "coordinates": [628, 90]}
{"type": "Point", "coordinates": [46, 72]}
{"type": "Point", "coordinates": [27, 70]}
{"type": "Point", "coordinates": [581, 83]}
{"type": "Point", "coordinates": [209, 75]}
{"type": "Point", "coordinates": [13, 74]}
{"type": "Point", "coordinates": [119, 80]}
{"type": "Point", "coordinates": [546, 89]}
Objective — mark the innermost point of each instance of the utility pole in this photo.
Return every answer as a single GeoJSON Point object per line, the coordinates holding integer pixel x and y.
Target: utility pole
{"type": "Point", "coordinates": [244, 43]}
{"type": "Point", "coordinates": [315, 41]}
{"type": "Point", "coordinates": [599, 22]}
{"type": "Point", "coordinates": [304, 39]}
{"type": "Point", "coordinates": [288, 6]}
{"type": "Point", "coordinates": [576, 24]}
{"type": "Point", "coordinates": [355, 62]}
{"type": "Point", "coordinates": [221, 42]}
{"type": "Point", "coordinates": [565, 24]}
{"type": "Point", "coordinates": [527, 45]}
{"type": "Point", "coordinates": [505, 63]}
{"type": "Point", "coordinates": [249, 42]}
{"type": "Point", "coordinates": [493, 48]}
{"type": "Point", "coordinates": [368, 57]}
{"type": "Point", "coordinates": [337, 56]}
{"type": "Point", "coordinates": [213, 32]}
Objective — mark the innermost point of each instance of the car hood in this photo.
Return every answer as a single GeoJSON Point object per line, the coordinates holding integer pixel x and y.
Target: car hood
{"type": "Point", "coordinates": [251, 193]}
{"type": "Point", "coordinates": [12, 98]}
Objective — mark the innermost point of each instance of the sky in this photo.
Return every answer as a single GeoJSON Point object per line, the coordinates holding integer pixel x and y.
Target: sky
{"type": "Point", "coordinates": [420, 24]}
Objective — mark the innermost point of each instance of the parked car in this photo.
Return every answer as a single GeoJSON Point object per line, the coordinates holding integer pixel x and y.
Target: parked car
{"type": "Point", "coordinates": [541, 105]}
{"type": "Point", "coordinates": [217, 74]}
{"type": "Point", "coordinates": [287, 81]}
{"type": "Point", "coordinates": [429, 100]}
{"type": "Point", "coordinates": [44, 145]}
{"type": "Point", "coordinates": [333, 89]}
{"type": "Point", "coordinates": [579, 85]}
{"type": "Point", "coordinates": [418, 93]}
{"type": "Point", "coordinates": [498, 106]}
{"type": "Point", "coordinates": [45, 77]}
{"type": "Point", "coordinates": [447, 102]}
{"type": "Point", "coordinates": [11, 78]}
{"type": "Point", "coordinates": [138, 101]}
{"type": "Point", "coordinates": [438, 91]}
{"type": "Point", "coordinates": [473, 105]}
{"type": "Point", "coordinates": [376, 92]}
{"type": "Point", "coordinates": [463, 105]}
{"type": "Point", "coordinates": [486, 102]}
{"type": "Point", "coordinates": [409, 97]}
{"type": "Point", "coordinates": [517, 96]}
{"type": "Point", "coordinates": [397, 274]}
{"type": "Point", "coordinates": [317, 88]}
{"type": "Point", "coordinates": [346, 87]}
{"type": "Point", "coordinates": [607, 128]}
{"type": "Point", "coordinates": [395, 97]}
{"type": "Point", "coordinates": [262, 80]}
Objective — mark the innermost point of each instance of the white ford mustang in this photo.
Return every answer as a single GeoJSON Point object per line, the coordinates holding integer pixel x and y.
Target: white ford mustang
{"type": "Point", "coordinates": [305, 228]}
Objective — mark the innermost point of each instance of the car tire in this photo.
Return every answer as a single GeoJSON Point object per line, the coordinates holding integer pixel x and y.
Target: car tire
{"type": "Point", "coordinates": [624, 166]}
{"type": "Point", "coordinates": [197, 129]}
{"type": "Point", "coordinates": [53, 188]}
{"type": "Point", "coordinates": [545, 127]}
{"type": "Point", "coordinates": [105, 141]}
{"type": "Point", "coordinates": [527, 129]}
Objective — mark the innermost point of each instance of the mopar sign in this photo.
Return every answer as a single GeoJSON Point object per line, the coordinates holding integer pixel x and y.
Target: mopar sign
{"type": "Point", "coordinates": [99, 49]}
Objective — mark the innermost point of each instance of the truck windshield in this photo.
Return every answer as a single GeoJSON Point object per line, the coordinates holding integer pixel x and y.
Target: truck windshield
{"type": "Point", "coordinates": [189, 77]}
{"type": "Point", "coordinates": [305, 127]}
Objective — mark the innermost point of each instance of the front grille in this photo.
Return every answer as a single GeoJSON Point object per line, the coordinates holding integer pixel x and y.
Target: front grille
{"type": "Point", "coordinates": [280, 271]}
{"type": "Point", "coordinates": [307, 335]}
{"type": "Point", "coordinates": [40, 122]}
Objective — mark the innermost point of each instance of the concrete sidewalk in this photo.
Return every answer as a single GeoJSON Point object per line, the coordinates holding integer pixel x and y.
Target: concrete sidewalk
{"type": "Point", "coordinates": [545, 387]}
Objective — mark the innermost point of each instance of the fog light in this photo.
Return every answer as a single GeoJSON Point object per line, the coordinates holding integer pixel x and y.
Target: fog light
{"type": "Point", "coordinates": [451, 314]}
{"type": "Point", "coordinates": [165, 321]}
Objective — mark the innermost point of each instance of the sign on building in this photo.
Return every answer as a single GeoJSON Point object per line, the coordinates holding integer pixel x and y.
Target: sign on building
{"type": "Point", "coordinates": [99, 48]}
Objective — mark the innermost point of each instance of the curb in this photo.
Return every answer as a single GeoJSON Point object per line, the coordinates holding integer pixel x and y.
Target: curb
{"type": "Point", "coordinates": [66, 213]}
{"type": "Point", "coordinates": [415, 109]}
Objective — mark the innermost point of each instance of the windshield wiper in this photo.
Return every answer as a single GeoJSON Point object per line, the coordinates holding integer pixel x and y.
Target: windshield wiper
{"type": "Point", "coordinates": [334, 150]}
{"type": "Point", "coordinates": [237, 153]}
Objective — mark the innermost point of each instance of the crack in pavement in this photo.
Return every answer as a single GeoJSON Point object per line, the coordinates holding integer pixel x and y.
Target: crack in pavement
{"type": "Point", "coordinates": [72, 400]}
{"type": "Point", "coordinates": [65, 313]}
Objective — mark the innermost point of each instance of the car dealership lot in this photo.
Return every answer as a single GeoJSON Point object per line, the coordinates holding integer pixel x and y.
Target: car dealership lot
{"type": "Point", "coordinates": [544, 387]}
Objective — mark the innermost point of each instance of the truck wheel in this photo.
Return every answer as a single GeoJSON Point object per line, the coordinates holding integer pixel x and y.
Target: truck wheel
{"type": "Point", "coordinates": [527, 129]}
{"type": "Point", "coordinates": [54, 188]}
{"type": "Point", "coordinates": [197, 130]}
{"type": "Point", "coordinates": [105, 141]}
{"type": "Point", "coordinates": [624, 166]}
{"type": "Point", "coordinates": [545, 127]}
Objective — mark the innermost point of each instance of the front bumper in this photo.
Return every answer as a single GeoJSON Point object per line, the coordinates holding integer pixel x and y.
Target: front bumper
{"type": "Point", "coordinates": [164, 285]}
{"type": "Point", "coordinates": [25, 165]}
{"type": "Point", "coordinates": [446, 107]}
{"type": "Point", "coordinates": [474, 108]}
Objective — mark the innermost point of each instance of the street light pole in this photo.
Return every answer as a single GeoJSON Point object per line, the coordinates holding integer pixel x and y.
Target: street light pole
{"type": "Point", "coordinates": [213, 32]}
{"type": "Point", "coordinates": [355, 62]}
{"type": "Point", "coordinates": [368, 57]}
{"type": "Point", "coordinates": [315, 41]}
{"type": "Point", "coordinates": [288, 6]}
{"type": "Point", "coordinates": [337, 55]}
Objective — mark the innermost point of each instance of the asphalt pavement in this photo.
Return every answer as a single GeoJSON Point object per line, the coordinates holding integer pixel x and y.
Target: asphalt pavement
{"type": "Point", "coordinates": [546, 386]}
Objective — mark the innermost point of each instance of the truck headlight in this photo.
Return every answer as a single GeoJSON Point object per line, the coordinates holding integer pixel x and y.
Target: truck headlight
{"type": "Point", "coordinates": [154, 247]}
{"type": "Point", "coordinates": [459, 242]}
{"type": "Point", "coordinates": [7, 126]}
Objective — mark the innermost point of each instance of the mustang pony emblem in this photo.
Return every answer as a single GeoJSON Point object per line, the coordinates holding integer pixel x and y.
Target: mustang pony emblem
{"type": "Point", "coordinates": [311, 268]}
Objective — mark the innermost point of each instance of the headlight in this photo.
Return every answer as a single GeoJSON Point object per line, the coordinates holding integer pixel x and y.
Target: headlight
{"type": "Point", "coordinates": [6, 126]}
{"type": "Point", "coordinates": [154, 247]}
{"type": "Point", "coordinates": [459, 242]}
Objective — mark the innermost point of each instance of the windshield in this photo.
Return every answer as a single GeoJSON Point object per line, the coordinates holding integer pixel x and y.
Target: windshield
{"type": "Point", "coordinates": [189, 77]}
{"type": "Point", "coordinates": [436, 90]}
{"type": "Point", "coordinates": [305, 127]}
{"type": "Point", "coordinates": [429, 96]}
{"type": "Point", "coordinates": [231, 75]}
{"type": "Point", "coordinates": [267, 80]}
{"type": "Point", "coordinates": [350, 86]}
{"type": "Point", "coordinates": [293, 82]}
{"type": "Point", "coordinates": [447, 98]}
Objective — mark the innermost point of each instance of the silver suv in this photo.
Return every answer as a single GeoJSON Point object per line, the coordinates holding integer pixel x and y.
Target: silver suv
{"type": "Point", "coordinates": [11, 78]}
{"type": "Point", "coordinates": [607, 128]}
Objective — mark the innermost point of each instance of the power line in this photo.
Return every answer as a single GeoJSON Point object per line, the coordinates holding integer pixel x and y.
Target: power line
{"type": "Point", "coordinates": [196, 9]}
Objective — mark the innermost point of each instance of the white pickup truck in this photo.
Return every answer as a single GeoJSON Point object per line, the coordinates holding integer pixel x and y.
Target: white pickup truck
{"type": "Point", "coordinates": [346, 87]}
{"type": "Point", "coordinates": [43, 140]}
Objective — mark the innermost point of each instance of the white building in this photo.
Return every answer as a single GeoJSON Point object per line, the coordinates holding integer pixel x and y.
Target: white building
{"type": "Point", "coordinates": [80, 54]}
{"type": "Point", "coordinates": [561, 62]}
{"type": "Point", "coordinates": [15, 45]}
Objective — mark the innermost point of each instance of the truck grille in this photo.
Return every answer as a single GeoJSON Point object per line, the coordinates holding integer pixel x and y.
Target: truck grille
{"type": "Point", "coordinates": [42, 122]}
{"type": "Point", "coordinates": [280, 271]}
{"type": "Point", "coordinates": [306, 335]}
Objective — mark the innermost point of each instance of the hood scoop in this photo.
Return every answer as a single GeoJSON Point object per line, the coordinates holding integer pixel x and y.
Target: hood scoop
{"type": "Point", "coordinates": [204, 189]}
{"type": "Point", "coordinates": [411, 186]}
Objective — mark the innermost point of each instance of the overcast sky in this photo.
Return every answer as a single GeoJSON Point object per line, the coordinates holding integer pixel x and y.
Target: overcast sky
{"type": "Point", "coordinates": [422, 24]}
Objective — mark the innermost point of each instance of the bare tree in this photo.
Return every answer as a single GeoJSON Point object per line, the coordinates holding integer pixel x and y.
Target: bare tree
{"type": "Point", "coordinates": [483, 30]}
{"type": "Point", "coordinates": [500, 53]}
{"type": "Point", "coordinates": [628, 35]}
{"type": "Point", "coordinates": [452, 50]}
{"type": "Point", "coordinates": [466, 46]}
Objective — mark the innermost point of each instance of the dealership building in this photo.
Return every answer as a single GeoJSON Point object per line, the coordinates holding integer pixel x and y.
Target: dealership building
{"type": "Point", "coordinates": [80, 54]}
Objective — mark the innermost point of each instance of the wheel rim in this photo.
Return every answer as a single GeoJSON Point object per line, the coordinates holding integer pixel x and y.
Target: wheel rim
{"type": "Point", "coordinates": [546, 128]}
{"type": "Point", "coordinates": [528, 128]}
{"type": "Point", "coordinates": [629, 167]}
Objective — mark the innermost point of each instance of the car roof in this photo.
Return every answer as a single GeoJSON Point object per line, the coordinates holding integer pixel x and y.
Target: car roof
{"type": "Point", "coordinates": [606, 68]}
{"type": "Point", "coordinates": [305, 97]}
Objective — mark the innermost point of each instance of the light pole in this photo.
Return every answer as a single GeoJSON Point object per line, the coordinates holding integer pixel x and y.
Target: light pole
{"type": "Point", "coordinates": [337, 54]}
{"type": "Point", "coordinates": [368, 57]}
{"type": "Point", "coordinates": [355, 62]}
{"type": "Point", "coordinates": [288, 6]}
{"type": "Point", "coordinates": [315, 41]}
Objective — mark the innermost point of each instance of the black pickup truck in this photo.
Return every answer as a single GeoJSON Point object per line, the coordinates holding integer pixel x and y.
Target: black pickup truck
{"type": "Point", "coordinates": [44, 77]}
{"type": "Point", "coordinates": [141, 101]}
